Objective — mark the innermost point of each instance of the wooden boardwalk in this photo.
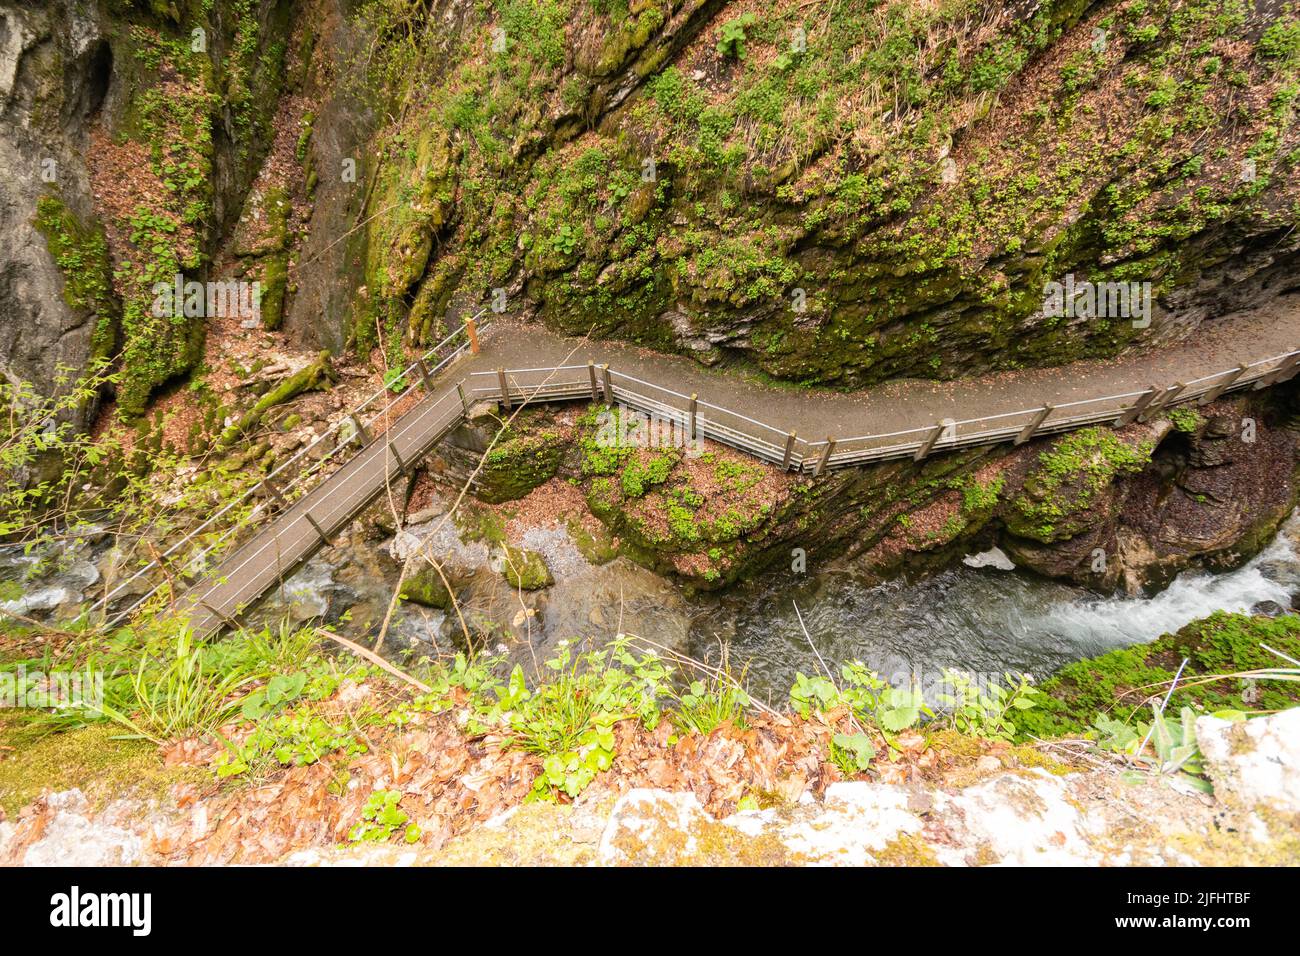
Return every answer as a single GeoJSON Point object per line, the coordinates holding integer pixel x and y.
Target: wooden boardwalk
{"type": "Point", "coordinates": [294, 530]}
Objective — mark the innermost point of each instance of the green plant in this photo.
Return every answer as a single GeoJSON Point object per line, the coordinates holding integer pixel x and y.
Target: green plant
{"type": "Point", "coordinates": [870, 699]}
{"type": "Point", "coordinates": [1174, 749]}
{"type": "Point", "coordinates": [852, 753]}
{"type": "Point", "coordinates": [731, 41]}
{"type": "Point", "coordinates": [382, 818]}
{"type": "Point", "coordinates": [279, 690]}
{"type": "Point", "coordinates": [298, 738]}
{"type": "Point", "coordinates": [707, 704]}
{"type": "Point", "coordinates": [985, 711]}
{"type": "Point", "coordinates": [568, 720]}
{"type": "Point", "coordinates": [181, 697]}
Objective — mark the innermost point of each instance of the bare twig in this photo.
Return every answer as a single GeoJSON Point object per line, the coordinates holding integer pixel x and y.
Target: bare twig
{"type": "Point", "coordinates": [375, 659]}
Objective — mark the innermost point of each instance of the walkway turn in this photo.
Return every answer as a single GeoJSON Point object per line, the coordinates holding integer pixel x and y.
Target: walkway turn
{"type": "Point", "coordinates": [903, 418]}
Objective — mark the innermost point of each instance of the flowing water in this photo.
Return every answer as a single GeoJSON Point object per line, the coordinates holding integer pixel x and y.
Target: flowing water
{"type": "Point", "coordinates": [985, 621]}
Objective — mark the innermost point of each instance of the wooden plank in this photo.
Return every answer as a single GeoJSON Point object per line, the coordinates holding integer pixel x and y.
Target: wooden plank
{"type": "Point", "coordinates": [1278, 373]}
{"type": "Point", "coordinates": [825, 457]}
{"type": "Point", "coordinates": [595, 390]}
{"type": "Point", "coordinates": [1161, 403]}
{"type": "Point", "coordinates": [789, 451]}
{"type": "Point", "coordinates": [609, 385]}
{"type": "Point", "coordinates": [1223, 386]}
{"type": "Point", "coordinates": [471, 329]}
{"type": "Point", "coordinates": [505, 390]}
{"type": "Point", "coordinates": [319, 530]}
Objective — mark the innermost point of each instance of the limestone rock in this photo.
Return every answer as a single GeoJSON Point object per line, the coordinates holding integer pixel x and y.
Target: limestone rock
{"type": "Point", "coordinates": [1254, 764]}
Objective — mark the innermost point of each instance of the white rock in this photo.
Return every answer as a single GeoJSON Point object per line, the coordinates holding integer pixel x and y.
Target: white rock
{"type": "Point", "coordinates": [644, 813]}
{"type": "Point", "coordinates": [72, 840]}
{"type": "Point", "coordinates": [1025, 820]}
{"type": "Point", "coordinates": [992, 558]}
{"type": "Point", "coordinates": [1256, 762]}
{"type": "Point", "coordinates": [855, 819]}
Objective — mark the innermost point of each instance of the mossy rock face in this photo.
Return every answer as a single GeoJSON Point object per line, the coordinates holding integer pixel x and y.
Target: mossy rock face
{"type": "Point", "coordinates": [1066, 489]}
{"type": "Point", "coordinates": [515, 467]}
{"type": "Point", "coordinates": [426, 587]}
{"type": "Point", "coordinates": [918, 248]}
{"type": "Point", "coordinates": [1117, 683]}
{"type": "Point", "coordinates": [526, 569]}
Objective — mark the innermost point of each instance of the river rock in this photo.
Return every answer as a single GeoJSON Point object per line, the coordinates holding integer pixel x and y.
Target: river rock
{"type": "Point", "coordinates": [525, 569]}
{"type": "Point", "coordinates": [1268, 609]}
{"type": "Point", "coordinates": [992, 558]}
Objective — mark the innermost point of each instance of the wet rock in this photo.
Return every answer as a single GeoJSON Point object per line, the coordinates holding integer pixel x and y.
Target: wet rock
{"type": "Point", "coordinates": [426, 587]}
{"type": "Point", "coordinates": [42, 599]}
{"type": "Point", "coordinates": [1268, 609]}
{"type": "Point", "coordinates": [525, 569]}
{"type": "Point", "coordinates": [992, 558]}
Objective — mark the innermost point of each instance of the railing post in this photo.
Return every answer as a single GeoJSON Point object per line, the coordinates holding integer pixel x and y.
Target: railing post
{"type": "Point", "coordinates": [1223, 386]}
{"type": "Point", "coordinates": [505, 391]}
{"type": "Point", "coordinates": [1136, 409]}
{"type": "Point", "coordinates": [471, 329]}
{"type": "Point", "coordinates": [591, 374]}
{"type": "Point", "coordinates": [609, 385]}
{"type": "Point", "coordinates": [319, 530]}
{"type": "Point", "coordinates": [1027, 432]}
{"type": "Point", "coordinates": [928, 445]}
{"type": "Point", "coordinates": [425, 377]}
{"type": "Point", "coordinates": [789, 451]}
{"type": "Point", "coordinates": [464, 402]}
{"type": "Point", "coordinates": [695, 402]}
{"type": "Point", "coordinates": [361, 429]}
{"type": "Point", "coordinates": [400, 464]}
{"type": "Point", "coordinates": [1161, 403]}
{"type": "Point", "coordinates": [274, 492]}
{"type": "Point", "coordinates": [1278, 373]}
{"type": "Point", "coordinates": [825, 457]}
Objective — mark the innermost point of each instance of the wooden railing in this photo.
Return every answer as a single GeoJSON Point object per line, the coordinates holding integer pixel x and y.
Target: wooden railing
{"type": "Point", "coordinates": [293, 479]}
{"type": "Point", "coordinates": [700, 418]}
{"type": "Point", "coordinates": [284, 505]}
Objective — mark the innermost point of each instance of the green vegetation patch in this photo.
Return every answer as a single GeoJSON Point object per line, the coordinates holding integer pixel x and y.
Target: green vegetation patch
{"type": "Point", "coordinates": [1068, 480]}
{"type": "Point", "coordinates": [1116, 683]}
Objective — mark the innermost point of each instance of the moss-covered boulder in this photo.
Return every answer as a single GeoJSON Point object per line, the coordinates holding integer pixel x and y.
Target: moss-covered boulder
{"type": "Point", "coordinates": [427, 588]}
{"type": "Point", "coordinates": [525, 569]}
{"type": "Point", "coordinates": [516, 466]}
{"type": "Point", "coordinates": [1069, 487]}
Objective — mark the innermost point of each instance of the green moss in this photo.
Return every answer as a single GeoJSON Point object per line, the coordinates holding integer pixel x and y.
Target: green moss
{"type": "Point", "coordinates": [275, 264]}
{"type": "Point", "coordinates": [517, 465]}
{"type": "Point", "coordinates": [1185, 419]}
{"type": "Point", "coordinates": [1118, 681]}
{"type": "Point", "coordinates": [318, 375]}
{"type": "Point", "coordinates": [1061, 491]}
{"type": "Point", "coordinates": [81, 253]}
{"type": "Point", "coordinates": [526, 569]}
{"type": "Point", "coordinates": [426, 587]}
{"type": "Point", "coordinates": [89, 759]}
